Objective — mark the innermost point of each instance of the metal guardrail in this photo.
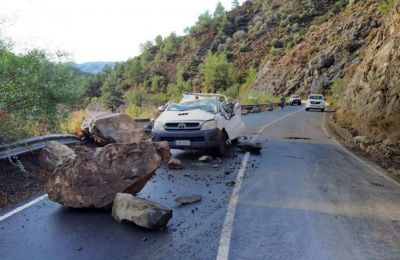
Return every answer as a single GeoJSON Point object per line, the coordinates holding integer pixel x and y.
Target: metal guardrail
{"type": "Point", "coordinates": [34, 144]}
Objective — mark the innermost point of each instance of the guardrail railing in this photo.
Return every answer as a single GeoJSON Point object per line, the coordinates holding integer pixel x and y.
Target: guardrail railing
{"type": "Point", "coordinates": [34, 144]}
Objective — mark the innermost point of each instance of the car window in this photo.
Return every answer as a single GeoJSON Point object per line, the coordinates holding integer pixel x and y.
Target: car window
{"type": "Point", "coordinates": [295, 96]}
{"type": "Point", "coordinates": [208, 105]}
{"type": "Point", "coordinates": [316, 97]}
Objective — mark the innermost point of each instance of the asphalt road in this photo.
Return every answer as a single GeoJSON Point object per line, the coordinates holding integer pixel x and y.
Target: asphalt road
{"type": "Point", "coordinates": [303, 197]}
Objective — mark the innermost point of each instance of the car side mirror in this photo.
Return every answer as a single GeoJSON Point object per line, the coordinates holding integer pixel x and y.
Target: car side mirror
{"type": "Point", "coordinates": [161, 108]}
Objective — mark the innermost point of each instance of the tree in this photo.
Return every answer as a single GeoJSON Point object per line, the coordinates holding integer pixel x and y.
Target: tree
{"type": "Point", "coordinates": [219, 11]}
{"type": "Point", "coordinates": [235, 3]}
{"type": "Point", "coordinates": [134, 72]}
{"type": "Point", "coordinates": [218, 73]}
{"type": "Point", "coordinates": [111, 96]}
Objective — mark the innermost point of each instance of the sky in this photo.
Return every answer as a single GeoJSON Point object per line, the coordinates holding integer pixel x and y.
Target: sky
{"type": "Point", "coordinates": [96, 30]}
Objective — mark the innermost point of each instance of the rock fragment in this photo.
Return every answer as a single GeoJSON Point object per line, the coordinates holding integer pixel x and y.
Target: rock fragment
{"type": "Point", "coordinates": [175, 164]}
{"type": "Point", "coordinates": [205, 158]}
{"type": "Point", "coordinates": [54, 154]}
{"type": "Point", "coordinates": [250, 147]}
{"type": "Point", "coordinates": [188, 199]}
{"type": "Point", "coordinates": [142, 212]}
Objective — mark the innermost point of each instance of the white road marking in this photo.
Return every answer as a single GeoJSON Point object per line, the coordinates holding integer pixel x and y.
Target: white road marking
{"type": "Point", "coordinates": [225, 239]}
{"type": "Point", "coordinates": [20, 208]}
{"type": "Point", "coordinates": [378, 170]}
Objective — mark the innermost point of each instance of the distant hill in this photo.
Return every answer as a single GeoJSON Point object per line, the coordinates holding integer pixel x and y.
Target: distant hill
{"type": "Point", "coordinates": [94, 67]}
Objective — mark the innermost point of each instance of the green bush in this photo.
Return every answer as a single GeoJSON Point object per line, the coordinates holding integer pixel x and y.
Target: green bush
{"type": "Point", "coordinates": [277, 44]}
{"type": "Point", "coordinates": [218, 73]}
{"type": "Point", "coordinates": [385, 7]}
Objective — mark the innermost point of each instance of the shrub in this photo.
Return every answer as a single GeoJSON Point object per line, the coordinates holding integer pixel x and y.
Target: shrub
{"type": "Point", "coordinates": [239, 35]}
{"type": "Point", "coordinates": [276, 43]}
{"type": "Point", "coordinates": [232, 91]}
{"type": "Point", "coordinates": [72, 125]}
{"type": "Point", "coordinates": [385, 7]}
{"type": "Point", "coordinates": [218, 72]}
{"type": "Point", "coordinates": [244, 48]}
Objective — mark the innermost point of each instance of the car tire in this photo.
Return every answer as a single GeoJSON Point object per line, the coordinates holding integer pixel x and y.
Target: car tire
{"type": "Point", "coordinates": [307, 109]}
{"type": "Point", "coordinates": [322, 109]}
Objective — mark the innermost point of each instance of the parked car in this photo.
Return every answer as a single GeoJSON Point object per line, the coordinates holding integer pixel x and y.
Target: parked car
{"type": "Point", "coordinates": [315, 101]}
{"type": "Point", "coordinates": [295, 100]}
{"type": "Point", "coordinates": [199, 121]}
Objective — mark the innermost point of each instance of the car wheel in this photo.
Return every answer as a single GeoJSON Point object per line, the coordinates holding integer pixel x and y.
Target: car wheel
{"type": "Point", "coordinates": [322, 109]}
{"type": "Point", "coordinates": [307, 109]}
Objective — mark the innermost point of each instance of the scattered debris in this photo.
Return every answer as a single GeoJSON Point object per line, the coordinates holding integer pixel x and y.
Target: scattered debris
{"type": "Point", "coordinates": [255, 110]}
{"type": "Point", "coordinates": [245, 111]}
{"type": "Point", "coordinates": [142, 212]}
{"type": "Point", "coordinates": [250, 147]}
{"type": "Point", "coordinates": [188, 199]}
{"type": "Point", "coordinates": [230, 183]}
{"type": "Point", "coordinates": [215, 166]}
{"type": "Point", "coordinates": [377, 184]}
{"type": "Point", "coordinates": [205, 158]}
{"type": "Point", "coordinates": [362, 139]}
{"type": "Point", "coordinates": [227, 172]}
{"type": "Point", "coordinates": [175, 164]}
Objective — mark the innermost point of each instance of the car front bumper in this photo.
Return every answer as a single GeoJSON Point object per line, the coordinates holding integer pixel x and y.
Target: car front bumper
{"type": "Point", "coordinates": [315, 106]}
{"type": "Point", "coordinates": [199, 139]}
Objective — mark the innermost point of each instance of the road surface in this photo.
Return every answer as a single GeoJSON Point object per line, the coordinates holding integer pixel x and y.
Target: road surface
{"type": "Point", "coordinates": [303, 197]}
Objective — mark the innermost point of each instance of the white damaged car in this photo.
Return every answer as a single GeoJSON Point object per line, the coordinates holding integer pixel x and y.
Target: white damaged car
{"type": "Point", "coordinates": [199, 121]}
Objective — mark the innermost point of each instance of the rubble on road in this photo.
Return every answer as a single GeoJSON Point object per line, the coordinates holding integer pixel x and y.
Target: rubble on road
{"type": "Point", "coordinates": [245, 111]}
{"type": "Point", "coordinates": [188, 199]}
{"type": "Point", "coordinates": [96, 175]}
{"type": "Point", "coordinates": [142, 212]}
{"type": "Point", "coordinates": [255, 110]}
{"type": "Point", "coordinates": [113, 128]}
{"type": "Point", "coordinates": [250, 147]}
{"type": "Point", "coordinates": [175, 164]}
{"type": "Point", "coordinates": [205, 158]}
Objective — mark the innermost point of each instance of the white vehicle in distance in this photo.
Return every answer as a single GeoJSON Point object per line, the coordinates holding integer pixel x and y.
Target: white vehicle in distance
{"type": "Point", "coordinates": [199, 121]}
{"type": "Point", "coordinates": [295, 100]}
{"type": "Point", "coordinates": [315, 101]}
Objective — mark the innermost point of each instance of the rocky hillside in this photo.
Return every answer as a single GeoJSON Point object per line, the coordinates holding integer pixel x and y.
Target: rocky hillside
{"type": "Point", "coordinates": [346, 49]}
{"type": "Point", "coordinates": [371, 100]}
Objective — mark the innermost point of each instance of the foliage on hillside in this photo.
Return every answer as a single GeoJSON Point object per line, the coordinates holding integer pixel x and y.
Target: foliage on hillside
{"type": "Point", "coordinates": [36, 94]}
{"type": "Point", "coordinates": [216, 54]}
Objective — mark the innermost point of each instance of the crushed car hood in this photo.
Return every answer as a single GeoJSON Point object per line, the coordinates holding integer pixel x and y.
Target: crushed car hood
{"type": "Point", "coordinates": [189, 115]}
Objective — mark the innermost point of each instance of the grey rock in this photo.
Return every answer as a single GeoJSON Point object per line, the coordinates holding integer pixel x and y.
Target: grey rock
{"type": "Point", "coordinates": [188, 199]}
{"type": "Point", "coordinates": [142, 212]}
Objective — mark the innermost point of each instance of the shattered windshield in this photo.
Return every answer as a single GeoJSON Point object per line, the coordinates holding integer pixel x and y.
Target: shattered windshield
{"type": "Point", "coordinates": [208, 105]}
{"type": "Point", "coordinates": [316, 97]}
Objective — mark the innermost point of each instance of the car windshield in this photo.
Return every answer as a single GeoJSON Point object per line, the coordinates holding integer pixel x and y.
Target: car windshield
{"type": "Point", "coordinates": [295, 97]}
{"type": "Point", "coordinates": [316, 97]}
{"type": "Point", "coordinates": [208, 105]}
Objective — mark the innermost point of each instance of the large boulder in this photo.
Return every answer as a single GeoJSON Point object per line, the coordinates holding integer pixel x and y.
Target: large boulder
{"type": "Point", "coordinates": [96, 175]}
{"type": "Point", "coordinates": [142, 212]}
{"type": "Point", "coordinates": [55, 154]}
{"type": "Point", "coordinates": [113, 128]}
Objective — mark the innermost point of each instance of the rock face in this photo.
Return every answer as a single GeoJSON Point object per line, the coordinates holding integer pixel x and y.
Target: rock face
{"type": "Point", "coordinates": [113, 128]}
{"type": "Point", "coordinates": [96, 175]}
{"type": "Point", "coordinates": [323, 56]}
{"type": "Point", "coordinates": [372, 100]}
{"type": "Point", "coordinates": [55, 154]}
{"type": "Point", "coordinates": [142, 212]}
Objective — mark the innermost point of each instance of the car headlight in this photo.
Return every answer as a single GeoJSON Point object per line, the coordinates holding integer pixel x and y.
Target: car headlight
{"type": "Point", "coordinates": [209, 125]}
{"type": "Point", "coordinates": [158, 125]}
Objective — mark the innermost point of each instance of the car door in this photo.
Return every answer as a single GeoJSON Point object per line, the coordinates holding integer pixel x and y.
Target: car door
{"type": "Point", "coordinates": [234, 125]}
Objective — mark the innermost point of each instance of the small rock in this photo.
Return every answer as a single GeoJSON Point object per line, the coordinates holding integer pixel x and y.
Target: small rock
{"type": "Point", "coordinates": [188, 199]}
{"type": "Point", "coordinates": [362, 139]}
{"type": "Point", "coordinates": [245, 111]}
{"type": "Point", "coordinates": [230, 183]}
{"type": "Point", "coordinates": [142, 212]}
{"type": "Point", "coordinates": [215, 166]}
{"type": "Point", "coordinates": [175, 164]}
{"type": "Point", "coordinates": [250, 147]}
{"type": "Point", "coordinates": [255, 110]}
{"type": "Point", "coordinates": [205, 158]}
{"type": "Point", "coordinates": [144, 239]}
{"type": "Point", "coordinates": [227, 172]}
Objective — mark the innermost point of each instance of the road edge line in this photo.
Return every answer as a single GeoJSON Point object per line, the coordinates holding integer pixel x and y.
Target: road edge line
{"type": "Point", "coordinates": [378, 170]}
{"type": "Point", "coordinates": [225, 238]}
{"type": "Point", "coordinates": [20, 208]}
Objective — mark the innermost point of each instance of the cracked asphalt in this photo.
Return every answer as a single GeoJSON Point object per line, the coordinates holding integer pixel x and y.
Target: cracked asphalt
{"type": "Point", "coordinates": [303, 197]}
